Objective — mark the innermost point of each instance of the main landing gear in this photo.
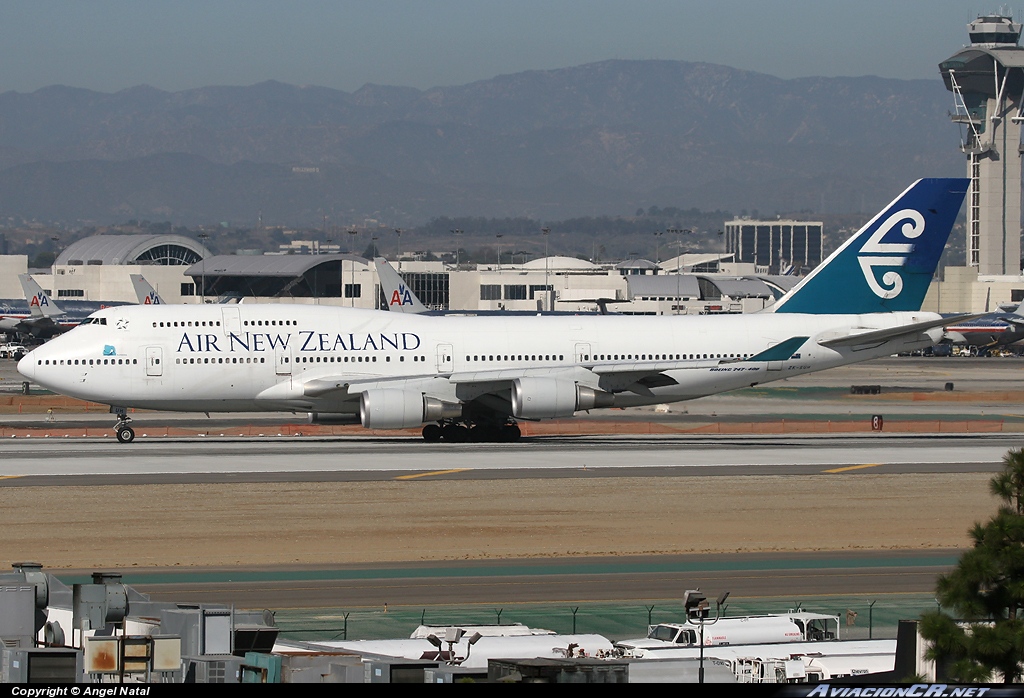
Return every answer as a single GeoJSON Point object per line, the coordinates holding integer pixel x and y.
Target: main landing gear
{"type": "Point", "coordinates": [463, 432]}
{"type": "Point", "coordinates": [125, 434]}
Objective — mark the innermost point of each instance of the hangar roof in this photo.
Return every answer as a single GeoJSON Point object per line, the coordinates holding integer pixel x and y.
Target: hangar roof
{"type": "Point", "coordinates": [292, 265]}
{"type": "Point", "coordinates": [558, 262]}
{"type": "Point", "coordinates": [166, 250]}
{"type": "Point", "coordinates": [667, 286]}
{"type": "Point", "coordinates": [740, 287]}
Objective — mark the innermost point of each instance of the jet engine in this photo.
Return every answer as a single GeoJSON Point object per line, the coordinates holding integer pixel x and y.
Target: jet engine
{"type": "Point", "coordinates": [545, 398]}
{"type": "Point", "coordinates": [400, 409]}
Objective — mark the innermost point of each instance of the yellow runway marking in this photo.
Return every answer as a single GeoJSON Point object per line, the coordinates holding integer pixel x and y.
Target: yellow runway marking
{"type": "Point", "coordinates": [431, 474]}
{"type": "Point", "coordinates": [10, 477]}
{"type": "Point", "coordinates": [853, 467]}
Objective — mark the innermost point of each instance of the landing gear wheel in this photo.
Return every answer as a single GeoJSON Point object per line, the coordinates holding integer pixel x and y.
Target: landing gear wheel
{"type": "Point", "coordinates": [482, 434]}
{"type": "Point", "coordinates": [455, 433]}
{"type": "Point", "coordinates": [511, 433]}
{"type": "Point", "coordinates": [126, 435]}
{"type": "Point", "coordinates": [432, 433]}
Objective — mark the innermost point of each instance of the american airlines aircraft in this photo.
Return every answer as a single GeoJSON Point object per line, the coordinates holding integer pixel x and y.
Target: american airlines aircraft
{"type": "Point", "coordinates": [474, 377]}
{"type": "Point", "coordinates": [44, 319]}
{"type": "Point", "coordinates": [146, 294]}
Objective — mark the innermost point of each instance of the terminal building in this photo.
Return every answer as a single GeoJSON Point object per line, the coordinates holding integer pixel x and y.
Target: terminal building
{"type": "Point", "coordinates": [775, 247]}
{"type": "Point", "coordinates": [183, 271]}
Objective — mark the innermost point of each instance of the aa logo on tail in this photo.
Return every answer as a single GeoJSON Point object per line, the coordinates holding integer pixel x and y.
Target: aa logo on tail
{"type": "Point", "coordinates": [876, 253]}
{"type": "Point", "coordinates": [401, 296]}
{"type": "Point", "coordinates": [151, 299]}
{"type": "Point", "coordinates": [39, 300]}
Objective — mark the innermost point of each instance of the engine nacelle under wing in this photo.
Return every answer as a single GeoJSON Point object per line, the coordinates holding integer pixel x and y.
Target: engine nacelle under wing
{"type": "Point", "coordinates": [545, 398]}
{"type": "Point", "coordinates": [401, 409]}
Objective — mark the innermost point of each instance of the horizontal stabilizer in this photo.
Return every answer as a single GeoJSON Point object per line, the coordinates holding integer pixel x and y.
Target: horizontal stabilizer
{"type": "Point", "coordinates": [781, 351]}
{"type": "Point", "coordinates": [888, 333]}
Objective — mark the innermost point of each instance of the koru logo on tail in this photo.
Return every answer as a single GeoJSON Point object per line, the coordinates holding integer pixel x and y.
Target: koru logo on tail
{"type": "Point", "coordinates": [876, 253]}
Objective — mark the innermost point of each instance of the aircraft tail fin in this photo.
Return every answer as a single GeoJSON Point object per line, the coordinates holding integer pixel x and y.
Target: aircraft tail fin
{"type": "Point", "coordinates": [888, 265]}
{"type": "Point", "coordinates": [146, 293]}
{"type": "Point", "coordinates": [398, 297]}
{"type": "Point", "coordinates": [39, 302]}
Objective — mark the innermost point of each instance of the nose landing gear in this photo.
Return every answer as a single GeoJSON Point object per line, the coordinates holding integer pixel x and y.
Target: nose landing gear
{"type": "Point", "coordinates": [125, 434]}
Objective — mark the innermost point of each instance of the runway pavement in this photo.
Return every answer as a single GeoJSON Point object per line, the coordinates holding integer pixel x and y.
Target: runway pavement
{"type": "Point", "coordinates": [61, 462]}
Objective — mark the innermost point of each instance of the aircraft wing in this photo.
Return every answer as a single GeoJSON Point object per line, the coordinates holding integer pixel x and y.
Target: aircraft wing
{"type": "Point", "coordinates": [884, 335]}
{"type": "Point", "coordinates": [607, 376]}
{"type": "Point", "coordinates": [621, 374]}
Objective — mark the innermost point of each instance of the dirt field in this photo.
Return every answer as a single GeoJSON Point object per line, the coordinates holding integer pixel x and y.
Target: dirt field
{"type": "Point", "coordinates": [326, 523]}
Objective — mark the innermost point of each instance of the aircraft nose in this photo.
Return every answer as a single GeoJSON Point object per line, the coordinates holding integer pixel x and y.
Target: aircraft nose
{"type": "Point", "coordinates": [27, 365]}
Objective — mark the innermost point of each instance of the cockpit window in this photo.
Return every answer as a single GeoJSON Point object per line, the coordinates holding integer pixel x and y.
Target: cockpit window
{"type": "Point", "coordinates": [94, 321]}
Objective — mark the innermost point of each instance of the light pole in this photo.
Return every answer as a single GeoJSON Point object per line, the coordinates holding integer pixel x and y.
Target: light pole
{"type": "Point", "coordinates": [547, 288]}
{"type": "Point", "coordinates": [696, 606]}
{"type": "Point", "coordinates": [53, 269]}
{"type": "Point", "coordinates": [458, 234]}
{"type": "Point", "coordinates": [679, 258]}
{"type": "Point", "coordinates": [352, 288]}
{"type": "Point", "coordinates": [657, 246]}
{"type": "Point", "coordinates": [398, 232]}
{"type": "Point", "coordinates": [374, 253]}
{"type": "Point", "coordinates": [203, 237]}
{"type": "Point", "coordinates": [499, 236]}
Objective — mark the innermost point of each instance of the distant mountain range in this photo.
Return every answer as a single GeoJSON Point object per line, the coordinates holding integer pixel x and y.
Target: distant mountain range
{"type": "Point", "coordinates": [603, 138]}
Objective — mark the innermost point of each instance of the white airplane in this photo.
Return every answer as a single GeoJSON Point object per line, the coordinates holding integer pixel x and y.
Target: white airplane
{"type": "Point", "coordinates": [146, 294]}
{"type": "Point", "coordinates": [473, 377]}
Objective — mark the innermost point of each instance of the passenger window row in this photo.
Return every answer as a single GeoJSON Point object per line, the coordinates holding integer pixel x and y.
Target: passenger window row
{"type": "Point", "coordinates": [190, 323]}
{"type": "Point", "coordinates": [514, 357]}
{"type": "Point", "coordinates": [353, 359]}
{"type": "Point", "coordinates": [87, 362]}
{"type": "Point", "coordinates": [268, 323]}
{"type": "Point", "coordinates": [222, 360]}
{"type": "Point", "coordinates": [662, 357]}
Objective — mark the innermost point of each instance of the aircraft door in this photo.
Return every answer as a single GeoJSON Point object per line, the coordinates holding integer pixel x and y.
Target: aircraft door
{"type": "Point", "coordinates": [232, 320]}
{"type": "Point", "coordinates": [284, 361]}
{"type": "Point", "coordinates": [583, 353]}
{"type": "Point", "coordinates": [445, 358]}
{"type": "Point", "coordinates": [774, 365]}
{"type": "Point", "coordinates": [154, 361]}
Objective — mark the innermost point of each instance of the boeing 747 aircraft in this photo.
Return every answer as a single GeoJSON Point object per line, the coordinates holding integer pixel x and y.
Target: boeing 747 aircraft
{"type": "Point", "coordinates": [474, 377]}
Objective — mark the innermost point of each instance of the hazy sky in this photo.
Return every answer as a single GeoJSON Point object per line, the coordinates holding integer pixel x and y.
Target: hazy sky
{"type": "Point", "coordinates": [109, 45]}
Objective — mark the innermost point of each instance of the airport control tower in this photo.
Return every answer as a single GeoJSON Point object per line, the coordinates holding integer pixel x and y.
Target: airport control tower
{"type": "Point", "coordinates": [987, 82]}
